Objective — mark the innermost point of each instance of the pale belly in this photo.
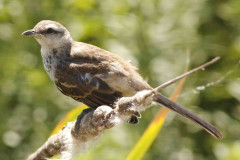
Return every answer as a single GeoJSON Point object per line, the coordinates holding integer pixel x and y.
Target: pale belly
{"type": "Point", "coordinates": [49, 67]}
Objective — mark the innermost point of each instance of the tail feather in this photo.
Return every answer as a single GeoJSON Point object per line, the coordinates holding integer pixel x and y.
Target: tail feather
{"type": "Point", "coordinates": [186, 113]}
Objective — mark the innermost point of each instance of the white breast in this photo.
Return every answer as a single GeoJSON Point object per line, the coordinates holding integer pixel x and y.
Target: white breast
{"type": "Point", "coordinates": [49, 63]}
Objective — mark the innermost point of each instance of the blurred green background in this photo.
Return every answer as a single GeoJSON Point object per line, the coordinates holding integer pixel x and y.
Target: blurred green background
{"type": "Point", "coordinates": [155, 35]}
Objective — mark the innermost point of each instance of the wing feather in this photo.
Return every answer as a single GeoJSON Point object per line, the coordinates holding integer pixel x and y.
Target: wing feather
{"type": "Point", "coordinates": [96, 77]}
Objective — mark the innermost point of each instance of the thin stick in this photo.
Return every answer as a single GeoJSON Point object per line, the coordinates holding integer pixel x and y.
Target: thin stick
{"type": "Point", "coordinates": [164, 85]}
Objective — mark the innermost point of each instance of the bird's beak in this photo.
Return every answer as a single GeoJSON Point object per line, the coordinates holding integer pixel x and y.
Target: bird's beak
{"type": "Point", "coordinates": [30, 32]}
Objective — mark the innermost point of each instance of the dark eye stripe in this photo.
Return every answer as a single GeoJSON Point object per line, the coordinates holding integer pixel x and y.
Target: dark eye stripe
{"type": "Point", "coordinates": [50, 31]}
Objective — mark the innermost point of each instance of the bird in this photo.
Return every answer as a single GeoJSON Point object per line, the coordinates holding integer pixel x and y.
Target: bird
{"type": "Point", "coordinates": [94, 76]}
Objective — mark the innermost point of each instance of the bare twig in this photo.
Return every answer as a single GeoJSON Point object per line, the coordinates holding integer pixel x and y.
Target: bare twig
{"type": "Point", "coordinates": [67, 142]}
{"type": "Point", "coordinates": [164, 85]}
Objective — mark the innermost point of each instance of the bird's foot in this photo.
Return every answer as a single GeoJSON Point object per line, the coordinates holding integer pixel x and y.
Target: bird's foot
{"type": "Point", "coordinates": [133, 105]}
{"type": "Point", "coordinates": [80, 117]}
{"type": "Point", "coordinates": [133, 120]}
{"type": "Point", "coordinates": [127, 105]}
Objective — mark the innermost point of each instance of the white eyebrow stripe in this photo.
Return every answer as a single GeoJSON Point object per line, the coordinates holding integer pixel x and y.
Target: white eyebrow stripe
{"type": "Point", "coordinates": [54, 26]}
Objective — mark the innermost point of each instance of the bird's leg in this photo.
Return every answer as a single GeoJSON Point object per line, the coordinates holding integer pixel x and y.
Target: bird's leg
{"type": "Point", "coordinates": [80, 117]}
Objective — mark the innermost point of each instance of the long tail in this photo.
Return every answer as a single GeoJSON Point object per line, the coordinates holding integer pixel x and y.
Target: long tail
{"type": "Point", "coordinates": [186, 113]}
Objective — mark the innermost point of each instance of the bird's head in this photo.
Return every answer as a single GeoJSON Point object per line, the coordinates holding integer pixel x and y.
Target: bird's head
{"type": "Point", "coordinates": [49, 34]}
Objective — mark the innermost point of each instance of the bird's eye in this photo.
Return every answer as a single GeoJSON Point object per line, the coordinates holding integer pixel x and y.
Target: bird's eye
{"type": "Point", "coordinates": [50, 30]}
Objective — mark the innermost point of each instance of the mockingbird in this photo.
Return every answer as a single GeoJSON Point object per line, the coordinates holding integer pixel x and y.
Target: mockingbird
{"type": "Point", "coordinates": [95, 76]}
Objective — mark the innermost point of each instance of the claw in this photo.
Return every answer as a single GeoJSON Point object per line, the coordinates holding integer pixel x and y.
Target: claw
{"type": "Point", "coordinates": [137, 114]}
{"type": "Point", "coordinates": [133, 120]}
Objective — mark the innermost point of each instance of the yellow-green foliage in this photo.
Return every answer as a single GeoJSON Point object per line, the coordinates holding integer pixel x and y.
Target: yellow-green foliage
{"type": "Point", "coordinates": [154, 35]}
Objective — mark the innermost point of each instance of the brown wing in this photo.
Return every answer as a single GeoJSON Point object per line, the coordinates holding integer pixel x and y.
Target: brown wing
{"type": "Point", "coordinates": [117, 73]}
{"type": "Point", "coordinates": [96, 77]}
{"type": "Point", "coordinates": [89, 90]}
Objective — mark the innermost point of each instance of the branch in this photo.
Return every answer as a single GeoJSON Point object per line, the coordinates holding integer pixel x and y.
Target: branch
{"type": "Point", "coordinates": [67, 142]}
{"type": "Point", "coordinates": [164, 85]}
